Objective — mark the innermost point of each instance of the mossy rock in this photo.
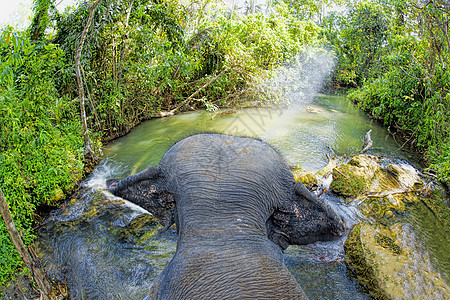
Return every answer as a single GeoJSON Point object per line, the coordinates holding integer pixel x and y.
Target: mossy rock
{"type": "Point", "coordinates": [347, 184]}
{"type": "Point", "coordinates": [135, 225]}
{"type": "Point", "coordinates": [386, 263]}
{"type": "Point", "coordinates": [365, 163]}
{"type": "Point", "coordinates": [384, 192]}
{"type": "Point", "coordinates": [305, 177]}
{"type": "Point", "coordinates": [406, 177]}
{"type": "Point", "coordinates": [354, 178]}
{"type": "Point", "coordinates": [393, 196]}
{"type": "Point", "coordinates": [382, 209]}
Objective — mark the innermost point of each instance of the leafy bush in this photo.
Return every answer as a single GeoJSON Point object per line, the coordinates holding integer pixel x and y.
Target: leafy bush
{"type": "Point", "coordinates": [357, 39]}
{"type": "Point", "coordinates": [40, 142]}
{"type": "Point", "coordinates": [411, 100]}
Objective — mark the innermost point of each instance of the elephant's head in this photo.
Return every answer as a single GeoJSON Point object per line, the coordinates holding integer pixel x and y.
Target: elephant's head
{"type": "Point", "coordinates": [304, 219]}
{"type": "Point", "coordinates": [146, 190]}
{"type": "Point", "coordinates": [251, 172]}
{"type": "Point", "coordinates": [301, 220]}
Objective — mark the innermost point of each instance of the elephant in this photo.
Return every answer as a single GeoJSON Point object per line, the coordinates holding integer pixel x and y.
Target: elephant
{"type": "Point", "coordinates": [236, 207]}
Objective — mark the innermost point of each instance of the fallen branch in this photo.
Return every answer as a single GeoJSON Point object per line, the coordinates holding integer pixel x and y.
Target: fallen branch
{"type": "Point", "coordinates": [333, 162]}
{"type": "Point", "coordinates": [196, 92]}
{"type": "Point", "coordinates": [28, 258]}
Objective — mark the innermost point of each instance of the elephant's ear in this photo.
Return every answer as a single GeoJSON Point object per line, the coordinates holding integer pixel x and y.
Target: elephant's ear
{"type": "Point", "coordinates": [147, 189]}
{"type": "Point", "coordinates": [304, 219]}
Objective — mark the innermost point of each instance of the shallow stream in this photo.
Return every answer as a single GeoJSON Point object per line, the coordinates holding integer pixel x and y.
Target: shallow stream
{"type": "Point", "coordinates": [105, 248]}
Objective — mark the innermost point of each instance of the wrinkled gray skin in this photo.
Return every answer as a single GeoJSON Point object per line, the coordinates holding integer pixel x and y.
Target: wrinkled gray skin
{"type": "Point", "coordinates": [236, 206]}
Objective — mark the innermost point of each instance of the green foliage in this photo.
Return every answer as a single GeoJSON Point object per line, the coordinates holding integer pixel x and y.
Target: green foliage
{"type": "Point", "coordinates": [41, 19]}
{"type": "Point", "coordinates": [134, 53]}
{"type": "Point", "coordinates": [357, 40]}
{"type": "Point", "coordinates": [250, 47]}
{"type": "Point", "coordinates": [40, 146]}
{"type": "Point", "coordinates": [396, 54]}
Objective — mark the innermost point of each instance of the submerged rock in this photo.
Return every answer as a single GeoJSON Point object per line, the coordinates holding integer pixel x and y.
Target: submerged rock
{"type": "Point", "coordinates": [390, 263]}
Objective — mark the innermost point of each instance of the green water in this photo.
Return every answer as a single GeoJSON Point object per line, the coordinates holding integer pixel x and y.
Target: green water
{"type": "Point", "coordinates": [304, 134]}
{"type": "Point", "coordinates": [94, 244]}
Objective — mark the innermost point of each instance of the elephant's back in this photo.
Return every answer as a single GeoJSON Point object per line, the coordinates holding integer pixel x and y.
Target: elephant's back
{"type": "Point", "coordinates": [219, 144]}
{"type": "Point", "coordinates": [217, 174]}
{"type": "Point", "coordinates": [222, 155]}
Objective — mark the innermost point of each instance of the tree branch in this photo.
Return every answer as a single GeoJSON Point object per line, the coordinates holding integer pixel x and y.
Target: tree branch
{"type": "Point", "coordinates": [38, 274]}
{"type": "Point", "coordinates": [87, 140]}
{"type": "Point", "coordinates": [196, 92]}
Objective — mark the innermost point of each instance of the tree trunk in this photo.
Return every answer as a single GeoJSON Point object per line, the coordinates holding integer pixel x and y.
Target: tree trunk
{"type": "Point", "coordinates": [38, 274]}
{"type": "Point", "coordinates": [122, 50]}
{"type": "Point", "coordinates": [87, 140]}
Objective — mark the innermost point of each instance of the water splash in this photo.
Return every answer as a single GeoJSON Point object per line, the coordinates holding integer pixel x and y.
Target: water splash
{"type": "Point", "coordinates": [299, 81]}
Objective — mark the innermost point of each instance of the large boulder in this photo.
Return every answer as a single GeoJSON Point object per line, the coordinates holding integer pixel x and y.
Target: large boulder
{"type": "Point", "coordinates": [354, 178]}
{"type": "Point", "coordinates": [391, 263]}
{"type": "Point", "coordinates": [382, 191]}
{"type": "Point", "coordinates": [363, 175]}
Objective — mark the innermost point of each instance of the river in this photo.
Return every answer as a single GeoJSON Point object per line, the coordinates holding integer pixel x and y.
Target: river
{"type": "Point", "coordinates": [105, 248]}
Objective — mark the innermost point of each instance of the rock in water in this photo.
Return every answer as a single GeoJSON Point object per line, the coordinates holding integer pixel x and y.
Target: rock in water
{"type": "Point", "coordinates": [391, 263]}
{"type": "Point", "coordinates": [354, 177]}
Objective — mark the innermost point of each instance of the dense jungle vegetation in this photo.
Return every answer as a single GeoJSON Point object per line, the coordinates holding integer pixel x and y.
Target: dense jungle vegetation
{"type": "Point", "coordinates": [77, 79]}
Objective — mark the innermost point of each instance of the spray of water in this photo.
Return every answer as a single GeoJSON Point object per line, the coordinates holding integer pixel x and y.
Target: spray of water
{"type": "Point", "coordinates": [299, 81]}
{"type": "Point", "coordinates": [291, 87]}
